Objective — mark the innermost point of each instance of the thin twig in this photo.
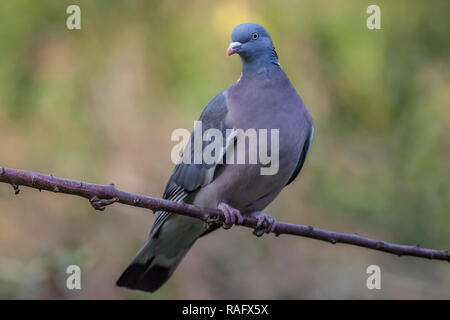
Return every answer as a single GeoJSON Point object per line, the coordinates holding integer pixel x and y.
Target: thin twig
{"type": "Point", "coordinates": [101, 196]}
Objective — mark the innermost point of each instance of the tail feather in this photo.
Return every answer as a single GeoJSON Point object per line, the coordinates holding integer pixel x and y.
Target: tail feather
{"type": "Point", "coordinates": [149, 272]}
{"type": "Point", "coordinates": [161, 254]}
{"type": "Point", "coordinates": [144, 277]}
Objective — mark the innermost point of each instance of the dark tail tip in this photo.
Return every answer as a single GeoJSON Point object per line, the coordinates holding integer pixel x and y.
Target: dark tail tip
{"type": "Point", "coordinates": [141, 277]}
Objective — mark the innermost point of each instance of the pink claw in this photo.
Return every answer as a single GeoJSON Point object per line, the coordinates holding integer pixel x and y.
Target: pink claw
{"type": "Point", "coordinates": [232, 215]}
{"type": "Point", "coordinates": [265, 224]}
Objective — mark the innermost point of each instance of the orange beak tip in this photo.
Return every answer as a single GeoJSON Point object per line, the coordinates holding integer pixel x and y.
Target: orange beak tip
{"type": "Point", "coordinates": [230, 51]}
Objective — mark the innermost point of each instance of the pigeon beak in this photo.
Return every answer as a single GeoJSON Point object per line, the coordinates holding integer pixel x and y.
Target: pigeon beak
{"type": "Point", "coordinates": [233, 48]}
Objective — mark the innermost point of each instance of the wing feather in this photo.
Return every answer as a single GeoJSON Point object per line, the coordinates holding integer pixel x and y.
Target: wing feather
{"type": "Point", "coordinates": [304, 153]}
{"type": "Point", "coordinates": [187, 178]}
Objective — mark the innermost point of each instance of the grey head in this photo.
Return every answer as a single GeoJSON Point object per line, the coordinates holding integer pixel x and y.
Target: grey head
{"type": "Point", "coordinates": [255, 47]}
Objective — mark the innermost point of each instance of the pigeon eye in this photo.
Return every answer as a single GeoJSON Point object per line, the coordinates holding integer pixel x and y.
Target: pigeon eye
{"type": "Point", "coordinates": [255, 36]}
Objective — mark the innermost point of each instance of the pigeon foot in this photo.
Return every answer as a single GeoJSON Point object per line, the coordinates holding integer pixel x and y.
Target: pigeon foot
{"type": "Point", "coordinates": [232, 215]}
{"type": "Point", "coordinates": [265, 224]}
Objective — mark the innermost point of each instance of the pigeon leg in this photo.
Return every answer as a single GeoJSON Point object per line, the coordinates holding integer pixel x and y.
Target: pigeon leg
{"type": "Point", "coordinates": [232, 215]}
{"type": "Point", "coordinates": [265, 224]}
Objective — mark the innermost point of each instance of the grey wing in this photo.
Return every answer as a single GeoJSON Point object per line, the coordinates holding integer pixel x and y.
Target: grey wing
{"type": "Point", "coordinates": [188, 175]}
{"type": "Point", "coordinates": [304, 153]}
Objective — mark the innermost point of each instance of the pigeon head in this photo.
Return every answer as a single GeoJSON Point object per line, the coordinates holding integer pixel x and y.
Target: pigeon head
{"type": "Point", "coordinates": [253, 44]}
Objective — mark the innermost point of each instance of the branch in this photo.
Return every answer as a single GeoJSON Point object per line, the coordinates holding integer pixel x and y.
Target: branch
{"type": "Point", "coordinates": [102, 195]}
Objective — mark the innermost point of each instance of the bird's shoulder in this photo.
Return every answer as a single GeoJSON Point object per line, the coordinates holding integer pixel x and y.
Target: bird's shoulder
{"type": "Point", "coordinates": [215, 111]}
{"type": "Point", "coordinates": [189, 176]}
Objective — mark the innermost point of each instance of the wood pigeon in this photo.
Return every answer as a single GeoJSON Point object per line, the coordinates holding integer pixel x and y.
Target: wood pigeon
{"type": "Point", "coordinates": [262, 98]}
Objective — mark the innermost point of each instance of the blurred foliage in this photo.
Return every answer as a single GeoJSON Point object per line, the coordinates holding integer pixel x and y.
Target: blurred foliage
{"type": "Point", "coordinates": [100, 103]}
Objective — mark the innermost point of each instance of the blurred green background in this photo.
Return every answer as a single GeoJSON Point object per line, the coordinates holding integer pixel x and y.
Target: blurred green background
{"type": "Point", "coordinates": [99, 104]}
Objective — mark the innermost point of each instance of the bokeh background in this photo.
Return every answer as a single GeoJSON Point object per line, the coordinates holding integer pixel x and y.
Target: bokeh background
{"type": "Point", "coordinates": [99, 104]}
